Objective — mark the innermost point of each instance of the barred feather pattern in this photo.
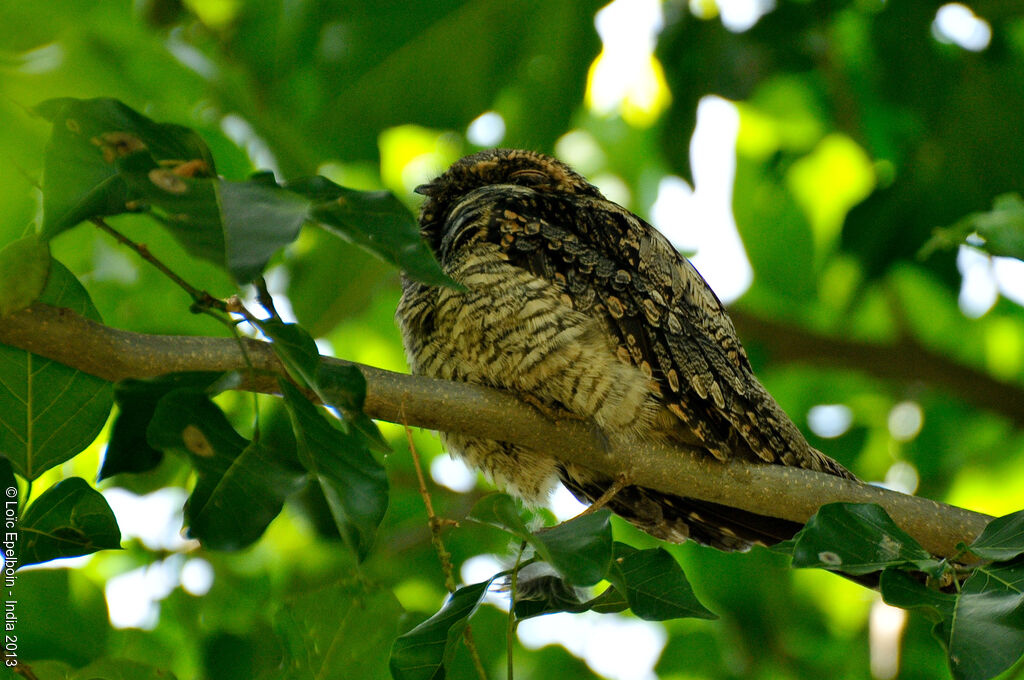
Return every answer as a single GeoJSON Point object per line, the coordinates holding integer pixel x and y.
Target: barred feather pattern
{"type": "Point", "coordinates": [573, 302]}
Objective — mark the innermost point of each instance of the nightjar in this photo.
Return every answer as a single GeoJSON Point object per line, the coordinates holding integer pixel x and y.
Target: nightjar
{"type": "Point", "coordinates": [573, 302]}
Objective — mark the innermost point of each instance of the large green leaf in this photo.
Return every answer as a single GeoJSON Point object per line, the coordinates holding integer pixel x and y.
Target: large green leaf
{"type": "Point", "coordinates": [375, 220]}
{"type": "Point", "coordinates": [580, 548]}
{"type": "Point", "coordinates": [1002, 539]}
{"type": "Point", "coordinates": [89, 136]}
{"type": "Point", "coordinates": [24, 266]}
{"type": "Point", "coordinates": [857, 538]}
{"type": "Point", "coordinates": [654, 585]}
{"type": "Point", "coordinates": [239, 225]}
{"type": "Point", "coordinates": [242, 485]}
{"type": "Point", "coordinates": [425, 651]}
{"type": "Point", "coordinates": [340, 631]}
{"type": "Point", "coordinates": [69, 519]}
{"type": "Point", "coordinates": [48, 411]}
{"type": "Point", "coordinates": [353, 482]}
{"type": "Point", "coordinates": [987, 626]}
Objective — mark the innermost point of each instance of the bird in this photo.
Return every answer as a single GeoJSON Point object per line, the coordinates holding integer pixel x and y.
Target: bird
{"type": "Point", "coordinates": [576, 304]}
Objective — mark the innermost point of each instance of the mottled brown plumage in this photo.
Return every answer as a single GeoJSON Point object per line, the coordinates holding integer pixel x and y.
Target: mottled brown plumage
{"type": "Point", "coordinates": [575, 302]}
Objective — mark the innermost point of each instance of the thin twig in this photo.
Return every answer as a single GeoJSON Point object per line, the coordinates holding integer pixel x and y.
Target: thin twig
{"type": "Point", "coordinates": [436, 523]}
{"type": "Point", "coordinates": [621, 481]}
{"type": "Point", "coordinates": [201, 297]}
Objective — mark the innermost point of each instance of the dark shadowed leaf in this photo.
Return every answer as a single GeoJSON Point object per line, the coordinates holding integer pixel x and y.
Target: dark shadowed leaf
{"type": "Point", "coordinates": [48, 411]}
{"type": "Point", "coordinates": [344, 387]}
{"type": "Point", "coordinates": [7, 478]}
{"type": "Point", "coordinates": [423, 652]}
{"type": "Point", "coordinates": [295, 348]}
{"type": "Point", "coordinates": [1002, 539]}
{"type": "Point", "coordinates": [857, 538]}
{"type": "Point", "coordinates": [24, 266]}
{"type": "Point", "coordinates": [241, 486]}
{"type": "Point", "coordinates": [128, 450]}
{"type": "Point", "coordinates": [655, 585]}
{"type": "Point", "coordinates": [375, 220]}
{"type": "Point", "coordinates": [353, 482]}
{"type": "Point", "coordinates": [338, 632]}
{"type": "Point", "coordinates": [80, 179]}
{"type": "Point", "coordinates": [69, 617]}
{"type": "Point", "coordinates": [556, 595]}
{"type": "Point", "coordinates": [69, 519]}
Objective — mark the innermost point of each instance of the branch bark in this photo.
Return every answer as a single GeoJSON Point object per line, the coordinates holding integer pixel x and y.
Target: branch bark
{"type": "Point", "coordinates": [773, 490]}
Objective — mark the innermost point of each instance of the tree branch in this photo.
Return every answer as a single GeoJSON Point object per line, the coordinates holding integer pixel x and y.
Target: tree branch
{"type": "Point", "coordinates": [774, 490]}
{"type": "Point", "coordinates": [906, 360]}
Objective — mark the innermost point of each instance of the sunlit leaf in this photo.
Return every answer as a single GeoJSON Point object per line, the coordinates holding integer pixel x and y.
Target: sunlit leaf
{"type": "Point", "coordinates": [1002, 539]}
{"type": "Point", "coordinates": [89, 136]}
{"type": "Point", "coordinates": [423, 652]}
{"type": "Point", "coordinates": [353, 482]}
{"type": "Point", "coordinates": [375, 220]}
{"type": "Point", "coordinates": [48, 411]}
{"type": "Point", "coordinates": [24, 266]}
{"type": "Point", "coordinates": [654, 585]}
{"type": "Point", "coordinates": [857, 538]}
{"type": "Point", "coordinates": [67, 520]}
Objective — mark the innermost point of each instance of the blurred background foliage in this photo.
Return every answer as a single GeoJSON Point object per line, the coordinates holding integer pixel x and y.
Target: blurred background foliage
{"type": "Point", "coordinates": [835, 136]}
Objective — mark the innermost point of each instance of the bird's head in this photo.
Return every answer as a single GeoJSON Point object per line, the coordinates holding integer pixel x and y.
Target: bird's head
{"type": "Point", "coordinates": [517, 167]}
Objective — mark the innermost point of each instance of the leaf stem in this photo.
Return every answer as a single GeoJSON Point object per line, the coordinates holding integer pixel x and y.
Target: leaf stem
{"type": "Point", "coordinates": [510, 628]}
{"type": "Point", "coordinates": [436, 523]}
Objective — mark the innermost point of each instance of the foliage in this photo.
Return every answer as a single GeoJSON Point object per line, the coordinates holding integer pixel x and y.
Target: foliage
{"type": "Point", "coordinates": [860, 133]}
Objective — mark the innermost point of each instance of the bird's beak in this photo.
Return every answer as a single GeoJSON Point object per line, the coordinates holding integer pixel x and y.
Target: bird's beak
{"type": "Point", "coordinates": [425, 189]}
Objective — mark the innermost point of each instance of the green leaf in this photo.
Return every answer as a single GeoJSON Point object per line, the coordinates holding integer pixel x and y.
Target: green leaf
{"type": "Point", "coordinates": [239, 225]}
{"type": "Point", "coordinates": [296, 349]}
{"type": "Point", "coordinates": [987, 627]}
{"type": "Point", "coordinates": [69, 519]}
{"type": "Point", "coordinates": [580, 549]}
{"type": "Point", "coordinates": [655, 585]}
{"type": "Point", "coordinates": [374, 220]}
{"type": "Point", "coordinates": [857, 538]}
{"type": "Point", "coordinates": [344, 387]}
{"type": "Point", "coordinates": [982, 626]}
{"type": "Point", "coordinates": [242, 485]}
{"type": "Point", "coordinates": [128, 449]}
{"type": "Point", "coordinates": [7, 478]}
{"type": "Point", "coordinates": [549, 594]}
{"type": "Point", "coordinates": [49, 412]}
{"type": "Point", "coordinates": [62, 615]}
{"type": "Point", "coordinates": [353, 482]}
{"type": "Point", "coordinates": [24, 266]}
{"type": "Point", "coordinates": [80, 177]}
{"type": "Point", "coordinates": [340, 631]}
{"type": "Point", "coordinates": [1001, 228]}
{"type": "Point", "coordinates": [1002, 539]}
{"type": "Point", "coordinates": [425, 651]}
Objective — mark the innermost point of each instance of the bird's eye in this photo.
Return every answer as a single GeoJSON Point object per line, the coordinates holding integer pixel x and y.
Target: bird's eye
{"type": "Point", "coordinates": [530, 177]}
